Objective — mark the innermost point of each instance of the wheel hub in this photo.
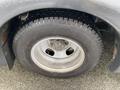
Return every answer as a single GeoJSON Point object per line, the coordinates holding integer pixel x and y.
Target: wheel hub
{"type": "Point", "coordinates": [57, 54]}
{"type": "Point", "coordinates": [58, 44]}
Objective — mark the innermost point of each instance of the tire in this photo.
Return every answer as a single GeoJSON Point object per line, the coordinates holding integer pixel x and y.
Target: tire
{"type": "Point", "coordinates": [36, 30]}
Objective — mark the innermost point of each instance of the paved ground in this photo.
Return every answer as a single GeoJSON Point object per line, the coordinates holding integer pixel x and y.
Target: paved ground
{"type": "Point", "coordinates": [98, 79]}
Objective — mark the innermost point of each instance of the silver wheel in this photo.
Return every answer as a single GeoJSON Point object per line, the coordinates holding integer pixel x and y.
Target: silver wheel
{"type": "Point", "coordinates": [58, 54]}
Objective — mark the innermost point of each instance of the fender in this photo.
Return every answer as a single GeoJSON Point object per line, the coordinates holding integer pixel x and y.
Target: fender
{"type": "Point", "coordinates": [108, 10]}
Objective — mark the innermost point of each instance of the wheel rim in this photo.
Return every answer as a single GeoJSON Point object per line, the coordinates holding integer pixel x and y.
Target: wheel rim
{"type": "Point", "coordinates": [57, 54]}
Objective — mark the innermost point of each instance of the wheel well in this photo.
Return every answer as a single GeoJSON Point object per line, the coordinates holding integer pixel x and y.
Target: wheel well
{"type": "Point", "coordinates": [99, 25]}
{"type": "Point", "coordinates": [102, 27]}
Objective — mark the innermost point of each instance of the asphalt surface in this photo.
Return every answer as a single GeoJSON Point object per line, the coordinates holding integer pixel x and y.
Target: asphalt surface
{"type": "Point", "coordinates": [98, 79]}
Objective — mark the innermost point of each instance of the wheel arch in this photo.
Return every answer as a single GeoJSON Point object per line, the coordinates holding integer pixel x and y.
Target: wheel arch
{"type": "Point", "coordinates": [9, 9]}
